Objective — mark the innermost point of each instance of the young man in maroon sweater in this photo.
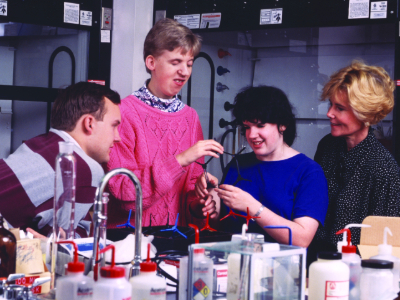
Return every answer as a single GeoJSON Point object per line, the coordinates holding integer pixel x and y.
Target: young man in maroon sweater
{"type": "Point", "coordinates": [85, 114]}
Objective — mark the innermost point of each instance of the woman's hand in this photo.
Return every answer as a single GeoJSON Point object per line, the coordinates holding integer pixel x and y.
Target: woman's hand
{"type": "Point", "coordinates": [201, 184]}
{"type": "Point", "coordinates": [235, 198]}
{"type": "Point", "coordinates": [198, 150]}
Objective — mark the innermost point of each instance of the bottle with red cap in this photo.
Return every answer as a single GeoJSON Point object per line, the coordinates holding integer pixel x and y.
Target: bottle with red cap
{"type": "Point", "coordinates": [112, 284]}
{"type": "Point", "coordinates": [353, 260]}
{"type": "Point", "coordinates": [74, 285]}
{"type": "Point", "coordinates": [147, 285]}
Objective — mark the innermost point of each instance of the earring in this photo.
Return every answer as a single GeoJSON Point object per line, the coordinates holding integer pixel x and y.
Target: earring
{"type": "Point", "coordinates": [366, 124]}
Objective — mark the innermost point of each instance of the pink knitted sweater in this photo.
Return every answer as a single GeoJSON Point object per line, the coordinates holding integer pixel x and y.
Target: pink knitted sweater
{"type": "Point", "coordinates": [150, 139]}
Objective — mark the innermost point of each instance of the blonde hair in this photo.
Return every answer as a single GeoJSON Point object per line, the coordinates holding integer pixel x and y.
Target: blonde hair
{"type": "Point", "coordinates": [168, 34]}
{"type": "Point", "coordinates": [369, 90]}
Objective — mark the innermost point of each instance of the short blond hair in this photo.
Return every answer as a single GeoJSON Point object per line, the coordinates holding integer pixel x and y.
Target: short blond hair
{"type": "Point", "coordinates": [168, 34]}
{"type": "Point", "coordinates": [368, 88]}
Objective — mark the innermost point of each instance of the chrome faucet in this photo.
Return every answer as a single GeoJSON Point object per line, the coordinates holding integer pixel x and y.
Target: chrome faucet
{"type": "Point", "coordinates": [99, 217]}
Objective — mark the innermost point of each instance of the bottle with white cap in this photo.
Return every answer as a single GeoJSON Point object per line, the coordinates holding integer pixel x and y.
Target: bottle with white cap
{"type": "Point", "coordinates": [112, 284]}
{"type": "Point", "coordinates": [385, 253]}
{"type": "Point", "coordinates": [74, 285]}
{"type": "Point", "coordinates": [344, 242]}
{"type": "Point", "coordinates": [328, 277]}
{"type": "Point", "coordinates": [353, 260]}
{"type": "Point", "coordinates": [147, 285]}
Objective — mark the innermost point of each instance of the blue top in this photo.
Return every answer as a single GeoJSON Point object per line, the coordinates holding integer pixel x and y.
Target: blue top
{"type": "Point", "coordinates": [292, 188]}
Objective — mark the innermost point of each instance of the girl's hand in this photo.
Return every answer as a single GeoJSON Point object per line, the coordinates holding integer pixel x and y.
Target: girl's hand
{"type": "Point", "coordinates": [201, 185]}
{"type": "Point", "coordinates": [235, 198]}
{"type": "Point", "coordinates": [198, 150]}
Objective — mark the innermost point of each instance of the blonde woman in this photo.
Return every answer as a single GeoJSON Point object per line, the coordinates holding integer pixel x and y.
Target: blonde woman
{"type": "Point", "coordinates": [363, 177]}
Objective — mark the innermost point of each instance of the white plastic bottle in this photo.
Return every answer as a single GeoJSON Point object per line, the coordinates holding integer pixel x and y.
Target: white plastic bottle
{"type": "Point", "coordinates": [112, 284]}
{"type": "Point", "coordinates": [353, 260]}
{"type": "Point", "coordinates": [74, 285]}
{"type": "Point", "coordinates": [385, 253]}
{"type": "Point", "coordinates": [183, 273]}
{"type": "Point", "coordinates": [147, 285]}
{"type": "Point", "coordinates": [376, 280]}
{"type": "Point", "coordinates": [328, 278]}
{"type": "Point", "coordinates": [202, 276]}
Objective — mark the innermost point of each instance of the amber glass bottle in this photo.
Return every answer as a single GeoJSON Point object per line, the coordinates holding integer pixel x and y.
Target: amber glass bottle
{"type": "Point", "coordinates": [8, 251]}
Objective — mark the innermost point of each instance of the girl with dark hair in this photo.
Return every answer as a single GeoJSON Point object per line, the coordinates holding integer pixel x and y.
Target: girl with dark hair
{"type": "Point", "coordinates": [277, 184]}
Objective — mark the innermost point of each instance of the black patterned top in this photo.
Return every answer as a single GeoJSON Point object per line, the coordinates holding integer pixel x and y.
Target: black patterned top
{"type": "Point", "coordinates": [167, 105]}
{"type": "Point", "coordinates": [362, 182]}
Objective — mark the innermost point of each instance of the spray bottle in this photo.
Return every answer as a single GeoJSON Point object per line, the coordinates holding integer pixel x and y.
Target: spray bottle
{"type": "Point", "coordinates": [344, 242]}
{"type": "Point", "coordinates": [353, 261]}
{"type": "Point", "coordinates": [74, 285]}
{"type": "Point", "coordinates": [385, 253]}
{"type": "Point", "coordinates": [112, 284]}
{"type": "Point", "coordinates": [147, 285]}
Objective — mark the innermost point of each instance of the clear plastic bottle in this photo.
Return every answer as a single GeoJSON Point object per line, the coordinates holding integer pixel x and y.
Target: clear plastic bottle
{"type": "Point", "coordinates": [75, 285]}
{"type": "Point", "coordinates": [385, 253]}
{"type": "Point", "coordinates": [112, 284]}
{"type": "Point", "coordinates": [353, 260]}
{"type": "Point", "coordinates": [202, 279]}
{"type": "Point", "coordinates": [8, 253]}
{"type": "Point", "coordinates": [64, 201]}
{"type": "Point", "coordinates": [376, 280]}
{"type": "Point", "coordinates": [64, 192]}
{"type": "Point", "coordinates": [328, 278]}
{"type": "Point", "coordinates": [147, 285]}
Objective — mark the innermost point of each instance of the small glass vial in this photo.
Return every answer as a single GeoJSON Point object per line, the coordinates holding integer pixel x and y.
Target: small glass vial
{"type": "Point", "coordinates": [376, 282]}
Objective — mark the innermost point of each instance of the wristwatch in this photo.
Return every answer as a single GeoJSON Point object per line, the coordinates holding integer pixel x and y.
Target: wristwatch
{"type": "Point", "coordinates": [259, 211]}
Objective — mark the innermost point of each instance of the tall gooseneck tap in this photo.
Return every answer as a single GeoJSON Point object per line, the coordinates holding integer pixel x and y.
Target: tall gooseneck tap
{"type": "Point", "coordinates": [98, 216]}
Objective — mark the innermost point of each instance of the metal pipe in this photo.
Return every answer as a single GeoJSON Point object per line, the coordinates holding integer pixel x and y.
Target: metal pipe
{"type": "Point", "coordinates": [99, 217]}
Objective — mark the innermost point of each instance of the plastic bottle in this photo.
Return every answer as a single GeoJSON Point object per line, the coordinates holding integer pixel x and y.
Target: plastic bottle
{"type": "Point", "coordinates": [112, 284]}
{"type": "Point", "coordinates": [8, 253]}
{"type": "Point", "coordinates": [385, 253]}
{"type": "Point", "coordinates": [183, 267]}
{"type": "Point", "coordinates": [353, 260]}
{"type": "Point", "coordinates": [344, 242]}
{"type": "Point", "coordinates": [74, 285]}
{"type": "Point", "coordinates": [328, 277]}
{"type": "Point", "coordinates": [376, 280]}
{"type": "Point", "coordinates": [64, 202]}
{"type": "Point", "coordinates": [147, 285]}
{"type": "Point", "coordinates": [202, 276]}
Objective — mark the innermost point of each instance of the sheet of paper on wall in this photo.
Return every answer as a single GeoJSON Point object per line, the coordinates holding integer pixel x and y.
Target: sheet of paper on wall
{"type": "Point", "coordinates": [379, 10]}
{"type": "Point", "coordinates": [105, 36]}
{"type": "Point", "coordinates": [29, 257]}
{"type": "Point", "coordinates": [71, 13]}
{"type": "Point", "coordinates": [211, 20]}
{"type": "Point", "coordinates": [358, 9]}
{"type": "Point", "coordinates": [3, 8]}
{"type": "Point", "coordinates": [190, 21]}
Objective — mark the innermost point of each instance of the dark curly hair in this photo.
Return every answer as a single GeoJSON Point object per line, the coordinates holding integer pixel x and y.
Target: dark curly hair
{"type": "Point", "coordinates": [265, 104]}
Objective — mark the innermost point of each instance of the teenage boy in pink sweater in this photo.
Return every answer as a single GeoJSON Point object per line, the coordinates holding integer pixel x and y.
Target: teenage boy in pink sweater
{"type": "Point", "coordinates": [161, 137]}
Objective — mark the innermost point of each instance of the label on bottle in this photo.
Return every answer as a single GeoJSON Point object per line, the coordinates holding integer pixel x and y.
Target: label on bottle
{"type": "Point", "coordinates": [84, 292]}
{"type": "Point", "coordinates": [337, 290]}
{"type": "Point", "coordinates": [153, 293]}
